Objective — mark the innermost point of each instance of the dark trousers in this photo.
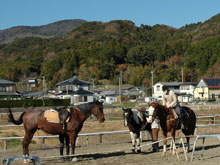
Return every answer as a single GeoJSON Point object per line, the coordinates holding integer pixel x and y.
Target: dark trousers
{"type": "Point", "coordinates": [179, 111]}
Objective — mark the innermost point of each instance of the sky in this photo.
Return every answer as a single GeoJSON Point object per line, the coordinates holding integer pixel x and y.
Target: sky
{"type": "Point", "coordinates": [175, 13]}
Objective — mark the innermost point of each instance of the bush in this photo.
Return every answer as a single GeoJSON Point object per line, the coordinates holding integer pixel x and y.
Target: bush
{"type": "Point", "coordinates": [34, 103]}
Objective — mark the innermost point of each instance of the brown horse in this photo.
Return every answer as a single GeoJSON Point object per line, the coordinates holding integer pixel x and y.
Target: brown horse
{"type": "Point", "coordinates": [169, 123]}
{"type": "Point", "coordinates": [35, 119]}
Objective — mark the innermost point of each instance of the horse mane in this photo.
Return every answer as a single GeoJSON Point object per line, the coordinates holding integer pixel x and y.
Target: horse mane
{"type": "Point", "coordinates": [161, 108]}
{"type": "Point", "coordinates": [85, 108]}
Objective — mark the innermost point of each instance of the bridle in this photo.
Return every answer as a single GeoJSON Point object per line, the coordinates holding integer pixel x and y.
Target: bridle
{"type": "Point", "coordinates": [99, 114]}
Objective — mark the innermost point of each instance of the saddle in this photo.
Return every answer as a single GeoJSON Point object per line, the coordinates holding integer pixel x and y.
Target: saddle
{"type": "Point", "coordinates": [64, 115]}
{"type": "Point", "coordinates": [58, 115]}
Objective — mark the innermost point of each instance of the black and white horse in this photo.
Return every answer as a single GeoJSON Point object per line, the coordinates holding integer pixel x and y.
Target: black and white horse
{"type": "Point", "coordinates": [135, 124]}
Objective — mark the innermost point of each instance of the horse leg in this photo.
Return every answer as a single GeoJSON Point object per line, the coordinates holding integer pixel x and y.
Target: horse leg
{"type": "Point", "coordinates": [138, 139]}
{"type": "Point", "coordinates": [164, 142]}
{"type": "Point", "coordinates": [67, 145]}
{"type": "Point", "coordinates": [133, 140]}
{"type": "Point", "coordinates": [27, 139]}
{"type": "Point", "coordinates": [155, 146]}
{"type": "Point", "coordinates": [61, 139]}
{"type": "Point", "coordinates": [187, 144]}
{"type": "Point", "coordinates": [73, 137]}
{"type": "Point", "coordinates": [173, 132]}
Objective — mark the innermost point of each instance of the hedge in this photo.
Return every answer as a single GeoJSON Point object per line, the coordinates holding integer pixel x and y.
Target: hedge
{"type": "Point", "coordinates": [34, 103]}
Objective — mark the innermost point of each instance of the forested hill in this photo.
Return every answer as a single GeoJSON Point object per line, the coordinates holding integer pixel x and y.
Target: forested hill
{"type": "Point", "coordinates": [101, 50]}
{"type": "Point", "coordinates": [56, 29]}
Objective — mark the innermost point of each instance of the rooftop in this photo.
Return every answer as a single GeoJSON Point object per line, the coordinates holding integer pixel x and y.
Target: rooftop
{"type": "Point", "coordinates": [72, 81]}
{"type": "Point", "coordinates": [212, 82]}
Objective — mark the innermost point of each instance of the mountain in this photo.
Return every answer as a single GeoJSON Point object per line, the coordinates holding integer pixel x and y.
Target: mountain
{"type": "Point", "coordinates": [102, 50]}
{"type": "Point", "coordinates": [56, 29]}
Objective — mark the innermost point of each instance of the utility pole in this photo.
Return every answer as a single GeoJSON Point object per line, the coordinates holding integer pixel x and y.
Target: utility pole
{"type": "Point", "coordinates": [182, 74]}
{"type": "Point", "coordinates": [120, 82]}
{"type": "Point", "coordinates": [44, 85]}
{"type": "Point", "coordinates": [152, 72]}
{"type": "Point", "coordinates": [93, 85]}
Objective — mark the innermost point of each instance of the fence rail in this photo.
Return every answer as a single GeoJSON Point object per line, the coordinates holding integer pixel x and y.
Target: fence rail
{"type": "Point", "coordinates": [100, 134]}
{"type": "Point", "coordinates": [212, 122]}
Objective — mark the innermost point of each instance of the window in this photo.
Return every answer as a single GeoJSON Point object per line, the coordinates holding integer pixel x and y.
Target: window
{"type": "Point", "coordinates": [84, 99]}
{"type": "Point", "coordinates": [2, 89]}
{"type": "Point", "coordinates": [185, 87]}
{"type": "Point", "coordinates": [158, 87]}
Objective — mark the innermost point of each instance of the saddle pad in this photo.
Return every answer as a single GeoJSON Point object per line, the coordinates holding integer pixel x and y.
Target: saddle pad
{"type": "Point", "coordinates": [52, 116]}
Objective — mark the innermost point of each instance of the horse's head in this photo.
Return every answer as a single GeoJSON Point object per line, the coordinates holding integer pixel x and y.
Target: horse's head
{"type": "Point", "coordinates": [97, 111]}
{"type": "Point", "coordinates": [152, 111]}
{"type": "Point", "coordinates": [127, 114]}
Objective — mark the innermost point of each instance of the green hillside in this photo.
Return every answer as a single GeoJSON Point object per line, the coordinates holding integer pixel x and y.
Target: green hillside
{"type": "Point", "coordinates": [101, 50]}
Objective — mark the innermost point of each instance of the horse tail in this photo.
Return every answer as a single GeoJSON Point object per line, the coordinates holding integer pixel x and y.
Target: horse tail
{"type": "Point", "coordinates": [11, 118]}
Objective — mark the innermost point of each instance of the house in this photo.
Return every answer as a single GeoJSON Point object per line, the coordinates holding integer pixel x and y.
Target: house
{"type": "Point", "coordinates": [157, 89]}
{"type": "Point", "coordinates": [208, 89]}
{"type": "Point", "coordinates": [184, 90]}
{"type": "Point", "coordinates": [187, 91]}
{"type": "Point", "coordinates": [75, 89]}
{"type": "Point", "coordinates": [125, 94]}
{"type": "Point", "coordinates": [132, 93]}
{"type": "Point", "coordinates": [109, 96]}
{"type": "Point", "coordinates": [8, 90]}
{"type": "Point", "coordinates": [32, 95]}
{"type": "Point", "coordinates": [32, 82]}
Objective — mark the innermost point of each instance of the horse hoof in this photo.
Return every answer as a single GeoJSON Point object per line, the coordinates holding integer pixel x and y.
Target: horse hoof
{"type": "Point", "coordinates": [138, 151]}
{"type": "Point", "coordinates": [27, 161]}
{"type": "Point", "coordinates": [133, 150]}
{"type": "Point", "coordinates": [74, 159]}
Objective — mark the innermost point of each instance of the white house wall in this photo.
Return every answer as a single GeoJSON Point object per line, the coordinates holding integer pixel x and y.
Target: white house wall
{"type": "Point", "coordinates": [202, 93]}
{"type": "Point", "coordinates": [187, 89]}
{"type": "Point", "coordinates": [157, 91]}
{"type": "Point", "coordinates": [110, 99]}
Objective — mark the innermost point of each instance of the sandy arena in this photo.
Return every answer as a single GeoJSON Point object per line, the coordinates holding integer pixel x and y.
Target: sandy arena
{"type": "Point", "coordinates": [114, 149]}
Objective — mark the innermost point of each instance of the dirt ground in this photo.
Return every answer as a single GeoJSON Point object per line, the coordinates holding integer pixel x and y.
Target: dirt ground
{"type": "Point", "coordinates": [114, 149]}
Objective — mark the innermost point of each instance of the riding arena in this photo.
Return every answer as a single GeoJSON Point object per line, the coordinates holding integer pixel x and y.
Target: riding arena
{"type": "Point", "coordinates": [109, 142]}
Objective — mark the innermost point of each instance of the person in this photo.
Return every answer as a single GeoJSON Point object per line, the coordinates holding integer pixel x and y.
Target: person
{"type": "Point", "coordinates": [170, 101]}
{"type": "Point", "coordinates": [155, 127]}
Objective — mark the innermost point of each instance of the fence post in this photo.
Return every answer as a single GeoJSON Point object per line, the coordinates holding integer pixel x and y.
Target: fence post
{"type": "Point", "coordinates": [5, 145]}
{"type": "Point", "coordinates": [87, 140]}
{"type": "Point", "coordinates": [100, 140]}
{"type": "Point", "coordinates": [196, 130]}
{"type": "Point", "coordinates": [42, 142]}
